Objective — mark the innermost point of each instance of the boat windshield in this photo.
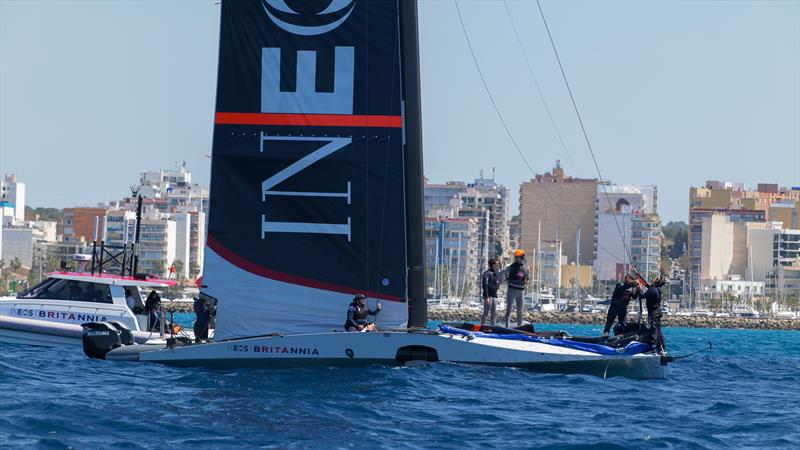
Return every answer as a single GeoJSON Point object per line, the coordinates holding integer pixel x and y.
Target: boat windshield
{"type": "Point", "coordinates": [70, 290]}
{"type": "Point", "coordinates": [37, 288]}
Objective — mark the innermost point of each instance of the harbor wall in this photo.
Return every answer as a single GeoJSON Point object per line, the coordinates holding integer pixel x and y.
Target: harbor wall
{"type": "Point", "coordinates": [472, 315]}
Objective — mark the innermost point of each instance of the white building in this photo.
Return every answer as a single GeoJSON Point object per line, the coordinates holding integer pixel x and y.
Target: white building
{"type": "Point", "coordinates": [12, 194]}
{"type": "Point", "coordinates": [158, 237]}
{"type": "Point", "coordinates": [175, 187]}
{"type": "Point", "coordinates": [450, 256]}
{"type": "Point", "coordinates": [628, 231]}
{"type": "Point", "coordinates": [157, 244]}
{"type": "Point", "coordinates": [737, 287]}
{"type": "Point", "coordinates": [18, 243]}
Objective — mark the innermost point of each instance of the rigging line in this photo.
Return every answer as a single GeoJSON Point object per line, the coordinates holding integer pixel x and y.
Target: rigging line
{"type": "Point", "coordinates": [586, 137]}
{"type": "Point", "coordinates": [538, 87]}
{"type": "Point", "coordinates": [508, 131]}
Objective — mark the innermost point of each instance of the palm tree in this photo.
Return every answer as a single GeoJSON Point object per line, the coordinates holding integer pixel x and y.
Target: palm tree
{"type": "Point", "coordinates": [16, 264]}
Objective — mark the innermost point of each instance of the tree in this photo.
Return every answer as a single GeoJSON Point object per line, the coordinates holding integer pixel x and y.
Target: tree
{"type": "Point", "coordinates": [159, 267]}
{"type": "Point", "coordinates": [52, 264]}
{"type": "Point", "coordinates": [15, 265]}
{"type": "Point", "coordinates": [194, 270]}
{"type": "Point", "coordinates": [3, 278]}
{"type": "Point", "coordinates": [178, 265]}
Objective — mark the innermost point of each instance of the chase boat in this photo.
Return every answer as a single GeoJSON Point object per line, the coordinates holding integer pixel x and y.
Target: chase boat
{"type": "Point", "coordinates": [316, 195]}
{"type": "Point", "coordinates": [51, 313]}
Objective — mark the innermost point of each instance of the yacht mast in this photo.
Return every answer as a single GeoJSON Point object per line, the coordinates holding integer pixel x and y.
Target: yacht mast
{"type": "Point", "coordinates": [415, 215]}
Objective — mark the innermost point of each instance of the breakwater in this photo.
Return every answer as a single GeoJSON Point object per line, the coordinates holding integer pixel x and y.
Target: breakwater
{"type": "Point", "coordinates": [473, 315]}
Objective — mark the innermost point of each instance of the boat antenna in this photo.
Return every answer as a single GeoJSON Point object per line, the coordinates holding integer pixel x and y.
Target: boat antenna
{"type": "Point", "coordinates": [135, 192]}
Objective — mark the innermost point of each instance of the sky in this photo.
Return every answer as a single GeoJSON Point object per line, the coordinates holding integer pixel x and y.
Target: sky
{"type": "Point", "coordinates": [671, 93]}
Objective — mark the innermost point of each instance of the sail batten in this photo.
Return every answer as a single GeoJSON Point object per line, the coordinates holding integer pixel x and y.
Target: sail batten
{"type": "Point", "coordinates": [307, 202]}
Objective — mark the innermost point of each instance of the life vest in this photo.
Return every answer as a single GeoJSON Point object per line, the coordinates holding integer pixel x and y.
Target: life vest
{"type": "Point", "coordinates": [517, 276]}
{"type": "Point", "coordinates": [361, 312]}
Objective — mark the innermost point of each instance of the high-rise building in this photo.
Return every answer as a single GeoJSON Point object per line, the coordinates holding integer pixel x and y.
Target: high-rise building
{"type": "Point", "coordinates": [157, 240]}
{"type": "Point", "coordinates": [157, 243]}
{"type": "Point", "coordinates": [460, 199]}
{"type": "Point", "coordinates": [488, 195]}
{"type": "Point", "coordinates": [450, 256]}
{"type": "Point", "coordinates": [176, 190]}
{"type": "Point", "coordinates": [769, 203]}
{"type": "Point", "coordinates": [190, 248]}
{"type": "Point", "coordinates": [562, 205]}
{"type": "Point", "coordinates": [628, 231]}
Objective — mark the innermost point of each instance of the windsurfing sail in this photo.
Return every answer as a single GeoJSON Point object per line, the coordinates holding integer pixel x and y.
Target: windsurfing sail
{"type": "Point", "coordinates": [307, 203]}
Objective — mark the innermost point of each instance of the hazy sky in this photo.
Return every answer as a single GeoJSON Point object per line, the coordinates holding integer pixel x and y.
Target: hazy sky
{"type": "Point", "coordinates": [672, 93]}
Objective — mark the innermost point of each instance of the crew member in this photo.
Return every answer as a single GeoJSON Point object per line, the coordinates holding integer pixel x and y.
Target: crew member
{"type": "Point", "coordinates": [202, 311]}
{"type": "Point", "coordinates": [357, 314]}
{"type": "Point", "coordinates": [152, 307]}
{"type": "Point", "coordinates": [652, 299]}
{"type": "Point", "coordinates": [618, 309]}
{"type": "Point", "coordinates": [517, 277]}
{"type": "Point", "coordinates": [490, 283]}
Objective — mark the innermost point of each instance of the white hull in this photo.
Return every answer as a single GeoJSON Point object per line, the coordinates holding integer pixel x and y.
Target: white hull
{"type": "Point", "coordinates": [398, 347]}
{"type": "Point", "coordinates": [16, 330]}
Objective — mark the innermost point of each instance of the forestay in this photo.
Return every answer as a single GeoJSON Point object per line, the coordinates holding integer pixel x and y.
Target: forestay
{"type": "Point", "coordinates": [307, 204]}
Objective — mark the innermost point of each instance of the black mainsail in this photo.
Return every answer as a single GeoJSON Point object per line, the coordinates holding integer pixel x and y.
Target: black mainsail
{"type": "Point", "coordinates": [309, 170]}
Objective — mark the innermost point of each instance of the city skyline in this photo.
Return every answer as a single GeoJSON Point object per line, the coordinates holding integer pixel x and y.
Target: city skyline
{"type": "Point", "coordinates": [703, 88]}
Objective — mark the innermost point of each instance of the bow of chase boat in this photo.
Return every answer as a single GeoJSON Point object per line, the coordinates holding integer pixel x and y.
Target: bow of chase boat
{"type": "Point", "coordinates": [51, 312]}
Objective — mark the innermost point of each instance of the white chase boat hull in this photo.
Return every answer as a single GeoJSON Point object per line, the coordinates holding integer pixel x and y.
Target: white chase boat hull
{"type": "Point", "coordinates": [395, 348]}
{"type": "Point", "coordinates": [17, 330]}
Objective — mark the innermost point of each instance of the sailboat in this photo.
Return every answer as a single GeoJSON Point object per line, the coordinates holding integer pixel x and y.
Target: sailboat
{"type": "Point", "coordinates": [316, 195]}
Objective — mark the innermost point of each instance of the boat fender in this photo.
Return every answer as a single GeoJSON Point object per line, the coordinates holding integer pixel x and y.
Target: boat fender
{"type": "Point", "coordinates": [99, 338]}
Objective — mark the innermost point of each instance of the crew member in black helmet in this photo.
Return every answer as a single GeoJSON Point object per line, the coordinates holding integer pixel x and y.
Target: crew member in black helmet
{"type": "Point", "coordinates": [357, 314]}
{"type": "Point", "coordinates": [652, 299]}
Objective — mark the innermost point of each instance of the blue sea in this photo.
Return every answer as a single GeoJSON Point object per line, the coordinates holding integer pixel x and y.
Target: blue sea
{"type": "Point", "coordinates": [744, 394]}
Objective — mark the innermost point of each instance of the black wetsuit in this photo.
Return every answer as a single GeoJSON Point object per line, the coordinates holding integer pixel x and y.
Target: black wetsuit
{"type": "Point", "coordinates": [152, 308]}
{"type": "Point", "coordinates": [652, 299]}
{"type": "Point", "coordinates": [201, 324]}
{"type": "Point", "coordinates": [618, 309]}
{"type": "Point", "coordinates": [357, 315]}
{"type": "Point", "coordinates": [490, 283]}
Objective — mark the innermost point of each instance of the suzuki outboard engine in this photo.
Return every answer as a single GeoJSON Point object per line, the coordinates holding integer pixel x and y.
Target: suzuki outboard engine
{"type": "Point", "coordinates": [125, 335]}
{"type": "Point", "coordinates": [100, 338]}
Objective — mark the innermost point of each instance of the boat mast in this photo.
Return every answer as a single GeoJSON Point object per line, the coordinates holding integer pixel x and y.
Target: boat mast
{"type": "Point", "coordinates": [415, 216]}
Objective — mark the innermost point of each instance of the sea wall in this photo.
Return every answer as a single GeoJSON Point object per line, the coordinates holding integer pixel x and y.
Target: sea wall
{"type": "Point", "coordinates": [472, 315]}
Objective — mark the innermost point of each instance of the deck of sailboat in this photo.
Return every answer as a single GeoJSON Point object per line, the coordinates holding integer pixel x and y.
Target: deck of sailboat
{"type": "Point", "coordinates": [398, 348]}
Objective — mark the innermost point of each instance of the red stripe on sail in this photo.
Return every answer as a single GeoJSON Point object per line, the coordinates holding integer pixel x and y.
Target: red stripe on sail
{"type": "Point", "coordinates": [308, 120]}
{"type": "Point", "coordinates": [262, 271]}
